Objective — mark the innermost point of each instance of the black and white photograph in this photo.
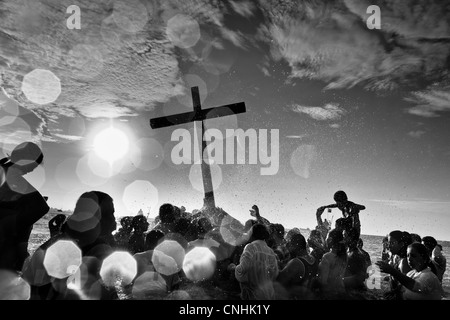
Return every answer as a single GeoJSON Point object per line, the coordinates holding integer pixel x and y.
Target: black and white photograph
{"type": "Point", "coordinates": [225, 155]}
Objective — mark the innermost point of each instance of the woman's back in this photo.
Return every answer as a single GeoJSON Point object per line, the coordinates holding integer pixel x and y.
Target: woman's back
{"type": "Point", "coordinates": [331, 273]}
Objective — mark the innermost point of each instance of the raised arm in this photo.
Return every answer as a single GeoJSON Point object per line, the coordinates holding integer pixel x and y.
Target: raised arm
{"type": "Point", "coordinates": [402, 278]}
{"type": "Point", "coordinates": [319, 212]}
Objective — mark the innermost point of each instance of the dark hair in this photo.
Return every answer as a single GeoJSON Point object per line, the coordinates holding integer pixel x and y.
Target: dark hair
{"type": "Point", "coordinates": [340, 196]}
{"type": "Point", "coordinates": [139, 221]}
{"type": "Point", "coordinates": [343, 223]}
{"type": "Point", "coordinates": [125, 222]}
{"type": "Point", "coordinates": [430, 243]}
{"type": "Point", "coordinates": [167, 213]}
{"type": "Point", "coordinates": [89, 218]}
{"type": "Point", "coordinates": [204, 225]}
{"type": "Point", "coordinates": [404, 237]}
{"type": "Point", "coordinates": [182, 225]}
{"type": "Point", "coordinates": [422, 250]}
{"type": "Point", "coordinates": [337, 242]}
{"type": "Point", "coordinates": [298, 240]}
{"type": "Point", "coordinates": [415, 237]}
{"type": "Point", "coordinates": [152, 239]}
{"type": "Point", "coordinates": [360, 242]}
{"type": "Point", "coordinates": [260, 232]}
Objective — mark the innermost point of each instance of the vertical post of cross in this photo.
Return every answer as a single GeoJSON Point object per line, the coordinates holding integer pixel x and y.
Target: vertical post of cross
{"type": "Point", "coordinates": [208, 201]}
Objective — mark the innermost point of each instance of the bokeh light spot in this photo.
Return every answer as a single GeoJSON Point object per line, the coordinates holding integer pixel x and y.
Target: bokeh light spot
{"type": "Point", "coordinates": [130, 15]}
{"type": "Point", "coordinates": [111, 144]}
{"type": "Point", "coordinates": [120, 268]}
{"type": "Point", "coordinates": [172, 249]}
{"type": "Point", "coordinates": [183, 31]}
{"type": "Point", "coordinates": [302, 160]}
{"type": "Point", "coordinates": [199, 264]}
{"type": "Point", "coordinates": [148, 285]}
{"type": "Point", "coordinates": [13, 287]}
{"type": "Point", "coordinates": [41, 86]}
{"type": "Point", "coordinates": [62, 259]}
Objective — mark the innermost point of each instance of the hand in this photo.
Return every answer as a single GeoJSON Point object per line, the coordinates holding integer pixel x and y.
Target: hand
{"type": "Point", "coordinates": [385, 267]}
{"type": "Point", "coordinates": [231, 267]}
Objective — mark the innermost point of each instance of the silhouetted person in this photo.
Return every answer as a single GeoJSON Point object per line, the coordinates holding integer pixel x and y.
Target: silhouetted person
{"type": "Point", "coordinates": [166, 218]}
{"type": "Point", "coordinates": [55, 224]}
{"type": "Point", "coordinates": [136, 243]}
{"type": "Point", "coordinates": [122, 236]}
{"type": "Point", "coordinates": [298, 276]}
{"type": "Point", "coordinates": [439, 263]}
{"type": "Point", "coordinates": [350, 210]}
{"type": "Point", "coordinates": [258, 267]}
{"type": "Point", "coordinates": [355, 273]}
{"type": "Point", "coordinates": [90, 228]}
{"type": "Point", "coordinates": [21, 205]}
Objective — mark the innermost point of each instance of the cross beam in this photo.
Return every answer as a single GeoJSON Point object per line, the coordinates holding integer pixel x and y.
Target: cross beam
{"type": "Point", "coordinates": [200, 115]}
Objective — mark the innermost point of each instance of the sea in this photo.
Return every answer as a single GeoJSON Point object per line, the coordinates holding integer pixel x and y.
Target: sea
{"type": "Point", "coordinates": [372, 244]}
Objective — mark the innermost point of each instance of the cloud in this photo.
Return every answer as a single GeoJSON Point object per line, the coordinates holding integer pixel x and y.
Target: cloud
{"type": "Point", "coordinates": [244, 8]}
{"type": "Point", "coordinates": [328, 112]}
{"type": "Point", "coordinates": [416, 134]}
{"type": "Point", "coordinates": [113, 67]}
{"type": "Point", "coordinates": [430, 103]}
{"type": "Point", "coordinates": [330, 42]}
{"type": "Point", "coordinates": [104, 71]}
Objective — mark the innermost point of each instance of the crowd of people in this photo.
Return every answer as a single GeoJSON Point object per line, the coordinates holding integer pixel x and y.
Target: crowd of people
{"type": "Point", "coordinates": [207, 248]}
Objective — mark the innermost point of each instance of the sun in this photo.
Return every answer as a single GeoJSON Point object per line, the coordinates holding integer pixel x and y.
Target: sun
{"type": "Point", "coordinates": [111, 144]}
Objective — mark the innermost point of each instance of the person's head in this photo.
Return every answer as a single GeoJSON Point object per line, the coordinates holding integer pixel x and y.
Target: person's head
{"type": "Point", "coordinates": [92, 218]}
{"type": "Point", "coordinates": [430, 243]}
{"type": "Point", "coordinates": [340, 197]}
{"type": "Point", "coordinates": [296, 244]}
{"type": "Point", "coordinates": [398, 241]}
{"type": "Point", "coordinates": [415, 238]}
{"type": "Point", "coordinates": [153, 239]}
{"type": "Point", "coordinates": [360, 243]}
{"type": "Point", "coordinates": [276, 231]}
{"type": "Point", "coordinates": [418, 257]}
{"type": "Point", "coordinates": [125, 223]}
{"type": "Point", "coordinates": [259, 232]}
{"type": "Point", "coordinates": [139, 223]}
{"type": "Point", "coordinates": [182, 225]}
{"type": "Point", "coordinates": [315, 240]}
{"type": "Point", "coordinates": [25, 157]}
{"type": "Point", "coordinates": [335, 240]}
{"type": "Point", "coordinates": [291, 232]}
{"type": "Point", "coordinates": [343, 224]}
{"type": "Point", "coordinates": [351, 237]}
{"type": "Point", "coordinates": [167, 213]}
{"type": "Point", "coordinates": [204, 226]}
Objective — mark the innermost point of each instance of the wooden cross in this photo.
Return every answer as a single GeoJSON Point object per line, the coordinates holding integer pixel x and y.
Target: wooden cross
{"type": "Point", "coordinates": [200, 115]}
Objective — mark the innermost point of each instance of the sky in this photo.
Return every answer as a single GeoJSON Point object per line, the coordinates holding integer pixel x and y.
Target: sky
{"type": "Point", "coordinates": [358, 109]}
